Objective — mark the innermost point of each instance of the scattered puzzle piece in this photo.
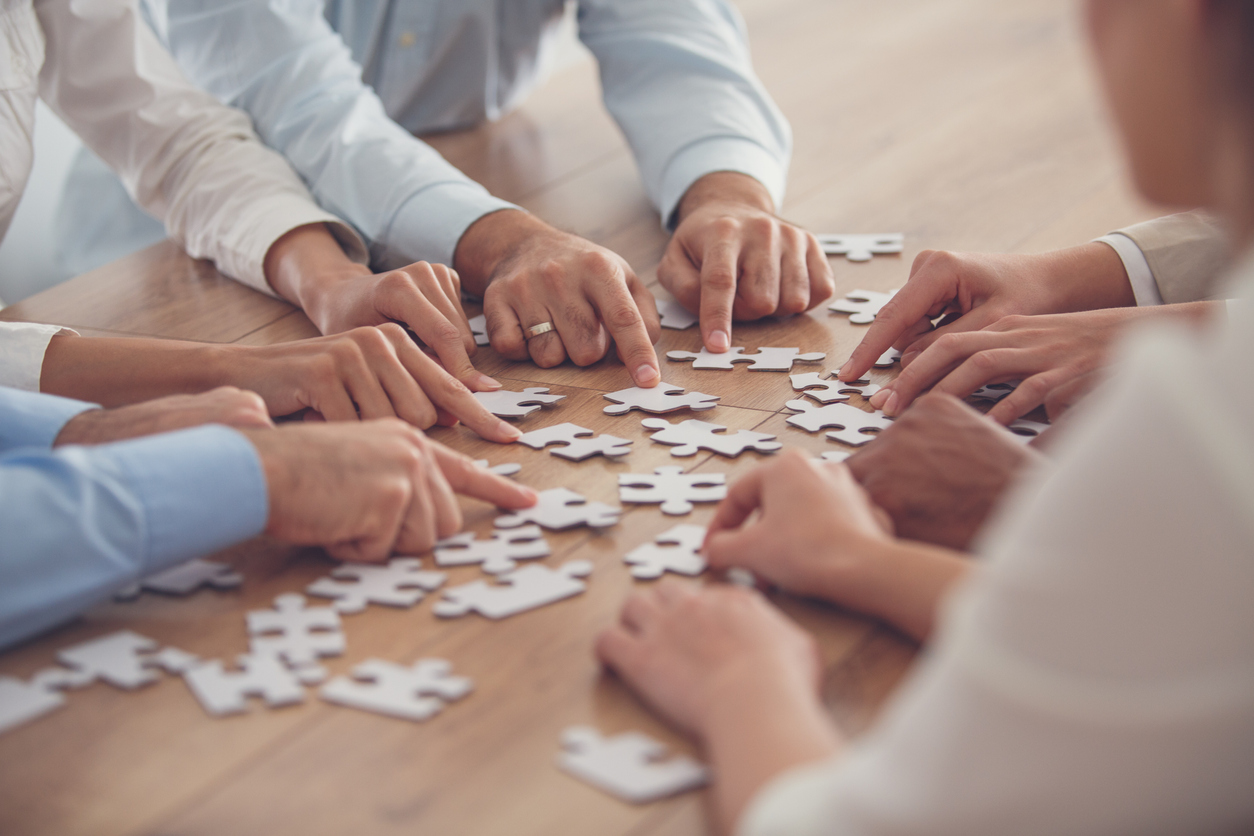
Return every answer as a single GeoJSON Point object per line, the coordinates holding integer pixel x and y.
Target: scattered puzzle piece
{"type": "Point", "coordinates": [496, 554]}
{"type": "Point", "coordinates": [221, 692]}
{"type": "Point", "coordinates": [577, 448]}
{"type": "Point", "coordinates": [561, 508]}
{"type": "Point", "coordinates": [861, 246]}
{"type": "Point", "coordinates": [660, 399]}
{"type": "Point", "coordinates": [21, 702]}
{"type": "Point", "coordinates": [888, 359]}
{"type": "Point", "coordinates": [416, 692]}
{"type": "Point", "coordinates": [506, 404]}
{"type": "Point", "coordinates": [1026, 430]}
{"type": "Point", "coordinates": [123, 659]}
{"type": "Point", "coordinates": [768, 358]}
{"type": "Point", "coordinates": [185, 579]}
{"type": "Point", "coordinates": [523, 589]}
{"type": "Point", "coordinates": [295, 633]}
{"type": "Point", "coordinates": [672, 487]}
{"type": "Point", "coordinates": [692, 435]}
{"type": "Point", "coordinates": [854, 423]}
{"type": "Point", "coordinates": [861, 305]}
{"type": "Point", "coordinates": [831, 390]}
{"type": "Point", "coordinates": [402, 582]}
{"type": "Point", "coordinates": [674, 315]}
{"type": "Point", "coordinates": [479, 328]}
{"type": "Point", "coordinates": [676, 550]}
{"type": "Point", "coordinates": [628, 765]}
{"type": "Point", "coordinates": [504, 469]}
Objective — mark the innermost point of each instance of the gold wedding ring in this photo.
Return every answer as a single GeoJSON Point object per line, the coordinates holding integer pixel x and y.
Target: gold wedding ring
{"type": "Point", "coordinates": [537, 330]}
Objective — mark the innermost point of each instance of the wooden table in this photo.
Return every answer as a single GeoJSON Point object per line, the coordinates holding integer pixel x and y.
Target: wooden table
{"type": "Point", "coordinates": [966, 124]}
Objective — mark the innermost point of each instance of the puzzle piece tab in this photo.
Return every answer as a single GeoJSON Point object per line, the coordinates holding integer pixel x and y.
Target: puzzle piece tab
{"type": "Point", "coordinates": [831, 390]}
{"type": "Point", "coordinates": [674, 315]}
{"type": "Point", "coordinates": [496, 554]}
{"type": "Point", "coordinates": [676, 550]}
{"type": "Point", "coordinates": [768, 358]}
{"type": "Point", "coordinates": [672, 487]}
{"type": "Point", "coordinates": [577, 448]}
{"type": "Point", "coordinates": [628, 765]}
{"type": "Point", "coordinates": [862, 305]}
{"type": "Point", "coordinates": [861, 246]}
{"type": "Point", "coordinates": [692, 435]}
{"type": "Point", "coordinates": [853, 423]}
{"type": "Point", "coordinates": [660, 399]}
{"type": "Point", "coordinates": [416, 692]}
{"type": "Point", "coordinates": [561, 508]}
{"type": "Point", "coordinates": [185, 579]}
{"type": "Point", "coordinates": [888, 359]}
{"type": "Point", "coordinates": [523, 589]}
{"type": "Point", "coordinates": [506, 404]}
{"type": "Point", "coordinates": [221, 692]}
{"type": "Point", "coordinates": [402, 582]}
{"type": "Point", "coordinates": [295, 633]}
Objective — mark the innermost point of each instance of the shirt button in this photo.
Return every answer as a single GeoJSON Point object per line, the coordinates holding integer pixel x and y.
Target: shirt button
{"type": "Point", "coordinates": [407, 40]}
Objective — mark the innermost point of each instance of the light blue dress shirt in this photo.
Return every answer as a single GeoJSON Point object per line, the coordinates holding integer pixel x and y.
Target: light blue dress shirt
{"type": "Point", "coordinates": [323, 82]}
{"type": "Point", "coordinates": [79, 523]}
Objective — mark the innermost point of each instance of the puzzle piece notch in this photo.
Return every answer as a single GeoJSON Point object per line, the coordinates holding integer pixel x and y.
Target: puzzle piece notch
{"type": "Point", "coordinates": [676, 550]}
{"type": "Point", "coordinates": [402, 582]}
{"type": "Point", "coordinates": [862, 305]}
{"type": "Point", "coordinates": [577, 448]}
{"type": "Point", "coordinates": [862, 246]}
{"type": "Point", "coordinates": [185, 579]}
{"type": "Point", "coordinates": [496, 554]}
{"type": "Point", "coordinates": [560, 508]}
{"type": "Point", "coordinates": [417, 692]}
{"type": "Point", "coordinates": [504, 403]}
{"type": "Point", "coordinates": [628, 765]}
{"type": "Point", "coordinates": [674, 315]}
{"type": "Point", "coordinates": [503, 469]}
{"type": "Point", "coordinates": [853, 423]}
{"type": "Point", "coordinates": [830, 389]}
{"type": "Point", "coordinates": [221, 692]}
{"type": "Point", "coordinates": [1025, 430]}
{"type": "Point", "coordinates": [532, 586]}
{"type": "Point", "coordinates": [996, 391]}
{"type": "Point", "coordinates": [767, 359]}
{"type": "Point", "coordinates": [479, 329]}
{"type": "Point", "coordinates": [295, 633]}
{"type": "Point", "coordinates": [689, 436]}
{"type": "Point", "coordinates": [659, 400]}
{"type": "Point", "coordinates": [674, 489]}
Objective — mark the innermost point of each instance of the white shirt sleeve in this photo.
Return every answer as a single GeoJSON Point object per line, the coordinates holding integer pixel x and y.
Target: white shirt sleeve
{"type": "Point", "coordinates": [1097, 675]}
{"type": "Point", "coordinates": [22, 347]}
{"type": "Point", "coordinates": [183, 156]}
{"type": "Point", "coordinates": [1140, 276]}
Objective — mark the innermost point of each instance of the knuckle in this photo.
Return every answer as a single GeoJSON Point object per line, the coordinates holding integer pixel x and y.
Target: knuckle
{"type": "Point", "coordinates": [391, 331]}
{"type": "Point", "coordinates": [597, 262]}
{"type": "Point", "coordinates": [725, 227]}
{"type": "Point", "coordinates": [987, 361]}
{"type": "Point", "coordinates": [444, 331]}
{"type": "Point", "coordinates": [720, 279]}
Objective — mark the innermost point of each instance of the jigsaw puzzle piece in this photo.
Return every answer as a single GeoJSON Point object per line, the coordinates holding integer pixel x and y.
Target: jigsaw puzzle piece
{"type": "Point", "coordinates": [402, 582]}
{"type": "Point", "coordinates": [515, 592]}
{"type": "Point", "coordinates": [862, 246]}
{"type": "Point", "coordinates": [21, 702]}
{"type": "Point", "coordinates": [479, 329]}
{"type": "Point", "coordinates": [829, 389]}
{"type": "Point", "coordinates": [888, 359]}
{"type": "Point", "coordinates": [834, 456]}
{"type": "Point", "coordinates": [185, 579]}
{"type": "Point", "coordinates": [772, 359]}
{"type": "Point", "coordinates": [852, 423]}
{"type": "Point", "coordinates": [705, 359]}
{"type": "Point", "coordinates": [577, 447]}
{"type": "Point", "coordinates": [660, 399]}
{"type": "Point", "coordinates": [221, 692]}
{"type": "Point", "coordinates": [674, 315]}
{"type": "Point", "coordinates": [689, 436]}
{"type": "Point", "coordinates": [629, 765]}
{"type": "Point", "coordinates": [561, 508]}
{"type": "Point", "coordinates": [1026, 430]}
{"type": "Point", "coordinates": [674, 489]}
{"type": "Point", "coordinates": [297, 634]}
{"type": "Point", "coordinates": [996, 391]}
{"type": "Point", "coordinates": [417, 692]}
{"type": "Point", "coordinates": [504, 403]}
{"type": "Point", "coordinates": [123, 659]}
{"type": "Point", "coordinates": [676, 550]}
{"type": "Point", "coordinates": [496, 554]}
{"type": "Point", "coordinates": [504, 469]}
{"type": "Point", "coordinates": [862, 305]}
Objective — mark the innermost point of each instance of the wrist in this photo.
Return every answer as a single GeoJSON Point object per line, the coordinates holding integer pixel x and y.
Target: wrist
{"type": "Point", "coordinates": [1089, 277]}
{"type": "Point", "coordinates": [728, 187]}
{"type": "Point", "coordinates": [273, 468]}
{"type": "Point", "coordinates": [81, 429]}
{"type": "Point", "coordinates": [306, 264]}
{"type": "Point", "coordinates": [490, 241]}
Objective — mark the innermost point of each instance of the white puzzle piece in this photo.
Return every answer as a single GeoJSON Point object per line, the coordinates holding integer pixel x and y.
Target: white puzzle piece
{"type": "Point", "coordinates": [674, 315]}
{"type": "Point", "coordinates": [561, 508]}
{"type": "Point", "coordinates": [523, 589]}
{"type": "Point", "coordinates": [768, 358]}
{"type": "Point", "coordinates": [506, 404]}
{"type": "Point", "coordinates": [503, 469]}
{"type": "Point", "coordinates": [295, 633]}
{"type": "Point", "coordinates": [496, 554]}
{"type": "Point", "coordinates": [402, 582]}
{"type": "Point", "coordinates": [221, 692]}
{"type": "Point", "coordinates": [861, 246]}
{"type": "Point", "coordinates": [1026, 430]}
{"type": "Point", "coordinates": [831, 390]}
{"type": "Point", "coordinates": [185, 579]}
{"type": "Point", "coordinates": [834, 456]}
{"type": "Point", "coordinates": [417, 692]}
{"type": "Point", "coordinates": [855, 427]}
{"type": "Point", "coordinates": [577, 448]}
{"type": "Point", "coordinates": [628, 765]}
{"type": "Point", "coordinates": [673, 488]}
{"type": "Point", "coordinates": [888, 359]}
{"type": "Point", "coordinates": [677, 550]}
{"type": "Point", "coordinates": [479, 328]}
{"type": "Point", "coordinates": [692, 435]}
{"type": "Point", "coordinates": [660, 399]}
{"type": "Point", "coordinates": [861, 305]}
{"type": "Point", "coordinates": [21, 702]}
{"type": "Point", "coordinates": [123, 659]}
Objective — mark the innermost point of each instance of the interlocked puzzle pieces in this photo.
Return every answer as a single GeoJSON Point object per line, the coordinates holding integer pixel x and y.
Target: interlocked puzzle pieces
{"type": "Point", "coordinates": [185, 579]}
{"type": "Point", "coordinates": [506, 404]}
{"type": "Point", "coordinates": [692, 435]}
{"type": "Point", "coordinates": [674, 315]}
{"type": "Point", "coordinates": [768, 358]}
{"type": "Point", "coordinates": [628, 765]}
{"type": "Point", "coordinates": [861, 246]}
{"type": "Point", "coordinates": [861, 305]}
{"type": "Point", "coordinates": [854, 424]}
{"type": "Point", "coordinates": [295, 633]}
{"type": "Point", "coordinates": [660, 399]}
{"type": "Point", "coordinates": [523, 589]}
{"type": "Point", "coordinates": [830, 390]}
{"type": "Point", "coordinates": [401, 583]}
{"type": "Point", "coordinates": [561, 508]}
{"type": "Point", "coordinates": [479, 328]}
{"type": "Point", "coordinates": [577, 448]}
{"type": "Point", "coordinates": [496, 554]}
{"type": "Point", "coordinates": [676, 550]}
{"type": "Point", "coordinates": [264, 676]}
{"type": "Point", "coordinates": [416, 692]}
{"type": "Point", "coordinates": [672, 487]}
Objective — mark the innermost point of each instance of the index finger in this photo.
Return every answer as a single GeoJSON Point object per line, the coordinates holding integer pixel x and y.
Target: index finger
{"type": "Point", "coordinates": [743, 498]}
{"type": "Point", "coordinates": [623, 320]}
{"type": "Point", "coordinates": [443, 336]}
{"type": "Point", "coordinates": [718, 292]}
{"type": "Point", "coordinates": [468, 479]}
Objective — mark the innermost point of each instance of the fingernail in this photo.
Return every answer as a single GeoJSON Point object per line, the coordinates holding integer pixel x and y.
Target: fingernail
{"type": "Point", "coordinates": [890, 406]}
{"type": "Point", "coordinates": [483, 383]}
{"type": "Point", "coordinates": [647, 376]}
{"type": "Point", "coordinates": [510, 432]}
{"type": "Point", "coordinates": [844, 370]}
{"type": "Point", "coordinates": [719, 341]}
{"type": "Point", "coordinates": [877, 400]}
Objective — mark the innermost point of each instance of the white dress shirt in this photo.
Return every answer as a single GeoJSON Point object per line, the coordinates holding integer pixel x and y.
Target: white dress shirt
{"type": "Point", "coordinates": [1097, 675]}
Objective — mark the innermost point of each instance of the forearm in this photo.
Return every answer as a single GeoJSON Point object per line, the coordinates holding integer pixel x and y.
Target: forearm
{"type": "Point", "coordinates": [116, 372]}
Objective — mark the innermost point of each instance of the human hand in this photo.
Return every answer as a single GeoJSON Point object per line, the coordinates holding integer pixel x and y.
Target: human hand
{"type": "Point", "coordinates": [976, 290]}
{"type": "Point", "coordinates": [364, 491]}
{"type": "Point", "coordinates": [939, 470]}
{"type": "Point", "coordinates": [365, 373]}
{"type": "Point", "coordinates": [529, 273]}
{"type": "Point", "coordinates": [224, 405]}
{"type": "Point", "coordinates": [732, 258]}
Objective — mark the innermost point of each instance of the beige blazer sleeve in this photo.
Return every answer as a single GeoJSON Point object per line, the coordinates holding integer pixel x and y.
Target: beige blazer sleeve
{"type": "Point", "coordinates": [1187, 253]}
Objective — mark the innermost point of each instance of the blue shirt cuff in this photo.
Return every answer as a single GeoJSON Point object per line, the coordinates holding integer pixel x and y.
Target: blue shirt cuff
{"type": "Point", "coordinates": [719, 154]}
{"type": "Point", "coordinates": [201, 490]}
{"type": "Point", "coordinates": [32, 419]}
{"type": "Point", "coordinates": [428, 225]}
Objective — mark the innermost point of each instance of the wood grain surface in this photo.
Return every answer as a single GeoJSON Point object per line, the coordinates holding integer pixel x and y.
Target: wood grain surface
{"type": "Point", "coordinates": [965, 124]}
